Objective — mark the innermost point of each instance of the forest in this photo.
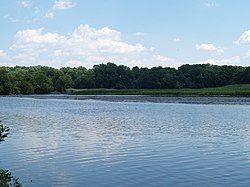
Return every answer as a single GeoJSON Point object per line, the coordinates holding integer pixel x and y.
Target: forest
{"type": "Point", "coordinates": [45, 80]}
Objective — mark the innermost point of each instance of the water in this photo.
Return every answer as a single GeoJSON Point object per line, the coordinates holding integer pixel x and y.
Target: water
{"type": "Point", "coordinates": [59, 142]}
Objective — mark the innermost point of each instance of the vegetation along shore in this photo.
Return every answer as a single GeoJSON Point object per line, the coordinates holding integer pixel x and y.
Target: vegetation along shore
{"type": "Point", "coordinates": [112, 79]}
{"type": "Point", "coordinates": [231, 90]}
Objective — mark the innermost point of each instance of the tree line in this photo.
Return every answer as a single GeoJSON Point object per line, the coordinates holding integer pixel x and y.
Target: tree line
{"type": "Point", "coordinates": [44, 80]}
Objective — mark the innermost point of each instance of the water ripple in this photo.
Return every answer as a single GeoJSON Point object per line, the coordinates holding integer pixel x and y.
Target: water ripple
{"type": "Point", "coordinates": [99, 143]}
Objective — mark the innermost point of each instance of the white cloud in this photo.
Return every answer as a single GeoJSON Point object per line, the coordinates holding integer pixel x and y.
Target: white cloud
{"type": "Point", "coordinates": [140, 34]}
{"type": "Point", "coordinates": [234, 60]}
{"type": "Point", "coordinates": [244, 38]}
{"type": "Point", "coordinates": [211, 4]}
{"type": "Point", "coordinates": [2, 53]}
{"type": "Point", "coordinates": [209, 61]}
{"type": "Point", "coordinates": [85, 46]}
{"type": "Point", "coordinates": [209, 47]}
{"type": "Point", "coordinates": [25, 18]}
{"type": "Point", "coordinates": [3, 58]}
{"type": "Point", "coordinates": [177, 39]}
{"type": "Point", "coordinates": [247, 54]}
{"type": "Point", "coordinates": [163, 60]}
{"type": "Point", "coordinates": [24, 3]}
{"type": "Point", "coordinates": [74, 63]}
{"type": "Point", "coordinates": [11, 19]}
{"type": "Point", "coordinates": [49, 15]}
{"type": "Point", "coordinates": [63, 4]}
{"type": "Point", "coordinates": [37, 10]}
{"type": "Point", "coordinates": [33, 36]}
{"type": "Point", "coordinates": [59, 5]}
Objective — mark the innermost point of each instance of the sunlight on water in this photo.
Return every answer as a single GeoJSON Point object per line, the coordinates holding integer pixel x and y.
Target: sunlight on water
{"type": "Point", "coordinates": [99, 143]}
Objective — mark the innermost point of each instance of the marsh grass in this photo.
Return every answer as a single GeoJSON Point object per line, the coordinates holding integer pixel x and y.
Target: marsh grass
{"type": "Point", "coordinates": [231, 90]}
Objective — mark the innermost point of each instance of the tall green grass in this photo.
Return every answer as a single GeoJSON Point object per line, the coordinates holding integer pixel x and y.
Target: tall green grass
{"type": "Point", "coordinates": [231, 90]}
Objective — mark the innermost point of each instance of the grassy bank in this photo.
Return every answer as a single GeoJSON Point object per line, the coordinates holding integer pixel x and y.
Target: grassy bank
{"type": "Point", "coordinates": [231, 90]}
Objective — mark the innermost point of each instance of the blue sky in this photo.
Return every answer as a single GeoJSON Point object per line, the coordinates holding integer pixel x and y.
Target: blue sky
{"type": "Point", "coordinates": [131, 32]}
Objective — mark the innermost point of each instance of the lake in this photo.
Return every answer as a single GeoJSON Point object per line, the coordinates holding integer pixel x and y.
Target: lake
{"type": "Point", "coordinates": [128, 142]}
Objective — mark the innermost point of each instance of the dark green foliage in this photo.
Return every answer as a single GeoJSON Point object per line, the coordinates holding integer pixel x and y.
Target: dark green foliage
{"type": "Point", "coordinates": [7, 180]}
{"type": "Point", "coordinates": [243, 76]}
{"type": "Point", "coordinates": [6, 84]}
{"type": "Point", "coordinates": [112, 76]}
{"type": "Point", "coordinates": [4, 131]}
{"type": "Point", "coordinates": [44, 80]}
{"type": "Point", "coordinates": [62, 83]}
{"type": "Point", "coordinates": [42, 83]}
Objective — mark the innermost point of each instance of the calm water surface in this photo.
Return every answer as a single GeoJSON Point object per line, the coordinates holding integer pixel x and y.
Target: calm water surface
{"type": "Point", "coordinates": [100, 143]}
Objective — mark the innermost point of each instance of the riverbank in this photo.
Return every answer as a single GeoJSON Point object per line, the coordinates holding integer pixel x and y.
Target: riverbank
{"type": "Point", "coordinates": [231, 90]}
{"type": "Point", "coordinates": [147, 98]}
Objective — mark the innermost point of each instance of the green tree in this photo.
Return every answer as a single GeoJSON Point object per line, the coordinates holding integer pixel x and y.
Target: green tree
{"type": "Point", "coordinates": [42, 83]}
{"type": "Point", "coordinates": [6, 84]}
{"type": "Point", "coordinates": [63, 82]}
{"type": "Point", "coordinates": [243, 77]}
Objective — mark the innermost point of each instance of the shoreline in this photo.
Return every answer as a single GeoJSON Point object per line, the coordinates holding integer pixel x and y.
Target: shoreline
{"type": "Point", "coordinates": [231, 90]}
{"type": "Point", "coordinates": [125, 95]}
{"type": "Point", "coordinates": [147, 98]}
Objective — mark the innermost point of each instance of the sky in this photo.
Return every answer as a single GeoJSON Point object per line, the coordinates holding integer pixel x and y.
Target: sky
{"type": "Point", "coordinates": [144, 33]}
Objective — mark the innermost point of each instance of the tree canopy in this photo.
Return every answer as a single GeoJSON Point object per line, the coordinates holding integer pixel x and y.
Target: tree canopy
{"type": "Point", "coordinates": [44, 80]}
